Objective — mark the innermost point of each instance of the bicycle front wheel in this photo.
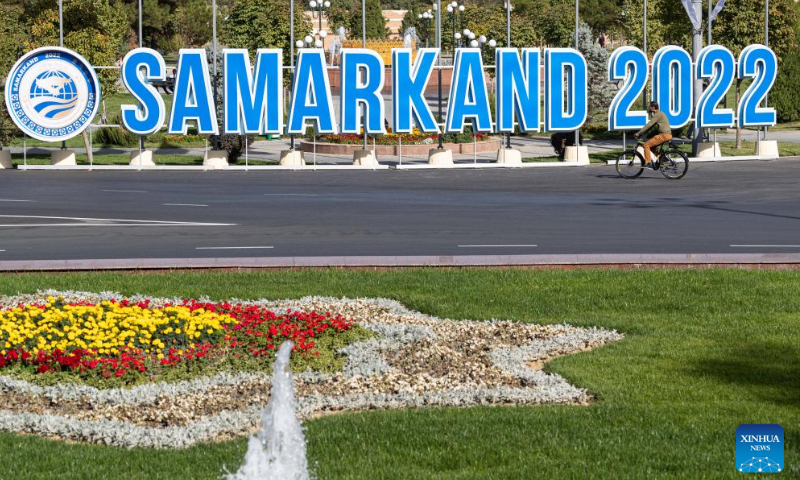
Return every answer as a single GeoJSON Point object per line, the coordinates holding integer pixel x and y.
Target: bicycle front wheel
{"type": "Point", "coordinates": [630, 164]}
{"type": "Point", "coordinates": [674, 164]}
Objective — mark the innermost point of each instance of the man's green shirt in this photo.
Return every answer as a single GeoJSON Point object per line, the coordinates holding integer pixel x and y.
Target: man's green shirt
{"type": "Point", "coordinates": [658, 118]}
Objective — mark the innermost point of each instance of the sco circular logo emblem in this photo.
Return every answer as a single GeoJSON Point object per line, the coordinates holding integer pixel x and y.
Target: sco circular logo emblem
{"type": "Point", "coordinates": [52, 94]}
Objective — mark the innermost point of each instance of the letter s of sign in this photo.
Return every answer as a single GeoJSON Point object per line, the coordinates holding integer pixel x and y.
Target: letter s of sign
{"type": "Point", "coordinates": [140, 67]}
{"type": "Point", "coordinates": [757, 62]}
{"type": "Point", "coordinates": [629, 65]}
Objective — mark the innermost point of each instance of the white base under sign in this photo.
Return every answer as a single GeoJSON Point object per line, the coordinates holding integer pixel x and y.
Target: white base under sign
{"type": "Point", "coordinates": [216, 159]}
{"type": "Point", "coordinates": [142, 158]}
{"type": "Point", "coordinates": [580, 155]}
{"type": "Point", "coordinates": [365, 158]}
{"type": "Point", "coordinates": [5, 159]}
{"type": "Point", "coordinates": [63, 158]}
{"type": "Point", "coordinates": [767, 148]}
{"type": "Point", "coordinates": [292, 158]}
{"type": "Point", "coordinates": [509, 156]}
{"type": "Point", "coordinates": [440, 156]}
{"type": "Point", "coordinates": [708, 150]}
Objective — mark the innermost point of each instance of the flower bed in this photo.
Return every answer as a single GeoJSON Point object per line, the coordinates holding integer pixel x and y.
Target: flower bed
{"type": "Point", "coordinates": [408, 360]}
{"type": "Point", "coordinates": [137, 341]}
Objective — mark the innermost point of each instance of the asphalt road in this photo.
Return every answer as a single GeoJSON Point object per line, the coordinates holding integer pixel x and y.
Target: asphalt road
{"type": "Point", "coordinates": [731, 209]}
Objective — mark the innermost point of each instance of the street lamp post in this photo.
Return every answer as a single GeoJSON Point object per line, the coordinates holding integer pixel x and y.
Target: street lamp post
{"type": "Point", "coordinates": [508, 45]}
{"type": "Point", "coordinates": [319, 6]}
{"type": "Point", "coordinates": [453, 9]}
{"type": "Point", "coordinates": [438, 7]}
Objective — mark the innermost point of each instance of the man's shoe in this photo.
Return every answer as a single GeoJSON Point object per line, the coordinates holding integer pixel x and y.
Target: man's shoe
{"type": "Point", "coordinates": [648, 165]}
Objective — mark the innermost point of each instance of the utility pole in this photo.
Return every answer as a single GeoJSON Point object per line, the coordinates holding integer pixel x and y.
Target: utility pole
{"type": "Point", "coordinates": [697, 45]}
{"type": "Point", "coordinates": [577, 20]}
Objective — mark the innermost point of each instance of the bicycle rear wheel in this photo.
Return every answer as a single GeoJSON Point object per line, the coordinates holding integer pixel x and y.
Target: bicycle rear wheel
{"type": "Point", "coordinates": [674, 164]}
{"type": "Point", "coordinates": [630, 164]}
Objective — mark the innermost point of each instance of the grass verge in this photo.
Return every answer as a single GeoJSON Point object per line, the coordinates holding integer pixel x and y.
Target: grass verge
{"type": "Point", "coordinates": [706, 351]}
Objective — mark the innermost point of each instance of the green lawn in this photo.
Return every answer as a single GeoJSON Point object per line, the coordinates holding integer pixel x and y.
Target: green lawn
{"type": "Point", "coordinates": [706, 350]}
{"type": "Point", "coordinates": [111, 159]}
{"type": "Point", "coordinates": [786, 149]}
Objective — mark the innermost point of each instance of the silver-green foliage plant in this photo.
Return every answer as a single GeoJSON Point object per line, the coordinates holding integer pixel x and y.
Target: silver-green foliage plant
{"type": "Point", "coordinates": [600, 90]}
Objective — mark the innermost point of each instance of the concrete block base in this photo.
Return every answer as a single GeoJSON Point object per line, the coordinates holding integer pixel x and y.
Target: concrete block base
{"type": "Point", "coordinates": [440, 156]}
{"type": "Point", "coordinates": [5, 159]}
{"type": "Point", "coordinates": [708, 150]}
{"type": "Point", "coordinates": [767, 148]}
{"type": "Point", "coordinates": [292, 158]}
{"type": "Point", "coordinates": [63, 157]}
{"type": "Point", "coordinates": [216, 159]}
{"type": "Point", "coordinates": [142, 158]}
{"type": "Point", "coordinates": [365, 158]}
{"type": "Point", "coordinates": [509, 156]}
{"type": "Point", "coordinates": [580, 155]}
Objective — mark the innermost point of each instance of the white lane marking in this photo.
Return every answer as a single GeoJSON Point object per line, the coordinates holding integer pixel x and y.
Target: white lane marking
{"type": "Point", "coordinates": [166, 222]}
{"type": "Point", "coordinates": [495, 246]}
{"type": "Point", "coordinates": [184, 205]}
{"type": "Point", "coordinates": [765, 246]}
{"type": "Point", "coordinates": [231, 248]}
{"type": "Point", "coordinates": [15, 225]}
{"type": "Point", "coordinates": [106, 222]}
{"type": "Point", "coordinates": [2, 250]}
{"type": "Point", "coordinates": [291, 195]}
{"type": "Point", "coordinates": [13, 200]}
{"type": "Point", "coordinates": [126, 191]}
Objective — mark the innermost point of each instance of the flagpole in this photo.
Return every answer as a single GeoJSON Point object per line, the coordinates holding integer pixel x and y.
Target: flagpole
{"type": "Point", "coordinates": [644, 47]}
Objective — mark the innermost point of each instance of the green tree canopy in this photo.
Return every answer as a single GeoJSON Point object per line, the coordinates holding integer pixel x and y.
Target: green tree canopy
{"type": "Point", "coordinates": [12, 43]}
{"type": "Point", "coordinates": [375, 24]}
{"type": "Point", "coordinates": [93, 28]}
{"type": "Point", "coordinates": [255, 24]}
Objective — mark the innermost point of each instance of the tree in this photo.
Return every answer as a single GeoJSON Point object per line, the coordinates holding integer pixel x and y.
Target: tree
{"type": "Point", "coordinates": [600, 90]}
{"type": "Point", "coordinates": [92, 28]}
{"type": "Point", "coordinates": [192, 23]}
{"type": "Point", "coordinates": [254, 24]}
{"type": "Point", "coordinates": [785, 96]}
{"type": "Point", "coordinates": [13, 38]}
{"type": "Point", "coordinates": [375, 23]}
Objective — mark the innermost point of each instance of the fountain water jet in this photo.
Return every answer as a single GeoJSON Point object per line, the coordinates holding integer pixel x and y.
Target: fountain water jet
{"type": "Point", "coordinates": [278, 451]}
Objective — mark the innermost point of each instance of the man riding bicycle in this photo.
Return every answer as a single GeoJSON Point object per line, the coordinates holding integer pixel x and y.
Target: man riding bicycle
{"type": "Point", "coordinates": [664, 132]}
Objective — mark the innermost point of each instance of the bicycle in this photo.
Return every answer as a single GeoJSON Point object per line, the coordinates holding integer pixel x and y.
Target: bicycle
{"type": "Point", "coordinates": [670, 160]}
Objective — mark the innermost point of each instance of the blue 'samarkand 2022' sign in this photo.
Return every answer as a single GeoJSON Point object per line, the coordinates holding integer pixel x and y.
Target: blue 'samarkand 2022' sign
{"type": "Point", "coordinates": [52, 93]}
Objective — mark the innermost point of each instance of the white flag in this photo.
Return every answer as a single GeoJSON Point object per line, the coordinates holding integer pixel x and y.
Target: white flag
{"type": "Point", "coordinates": [717, 9]}
{"type": "Point", "coordinates": [687, 4]}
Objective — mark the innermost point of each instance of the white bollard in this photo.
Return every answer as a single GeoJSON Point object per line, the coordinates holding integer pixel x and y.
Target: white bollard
{"type": "Point", "coordinates": [440, 156]}
{"type": "Point", "coordinates": [579, 155]}
{"type": "Point", "coordinates": [365, 157]}
{"type": "Point", "coordinates": [63, 158]}
{"type": "Point", "coordinates": [292, 158]}
{"type": "Point", "coordinates": [142, 158]}
{"type": "Point", "coordinates": [216, 159]}
{"type": "Point", "coordinates": [767, 149]}
{"type": "Point", "coordinates": [5, 159]}
{"type": "Point", "coordinates": [509, 156]}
